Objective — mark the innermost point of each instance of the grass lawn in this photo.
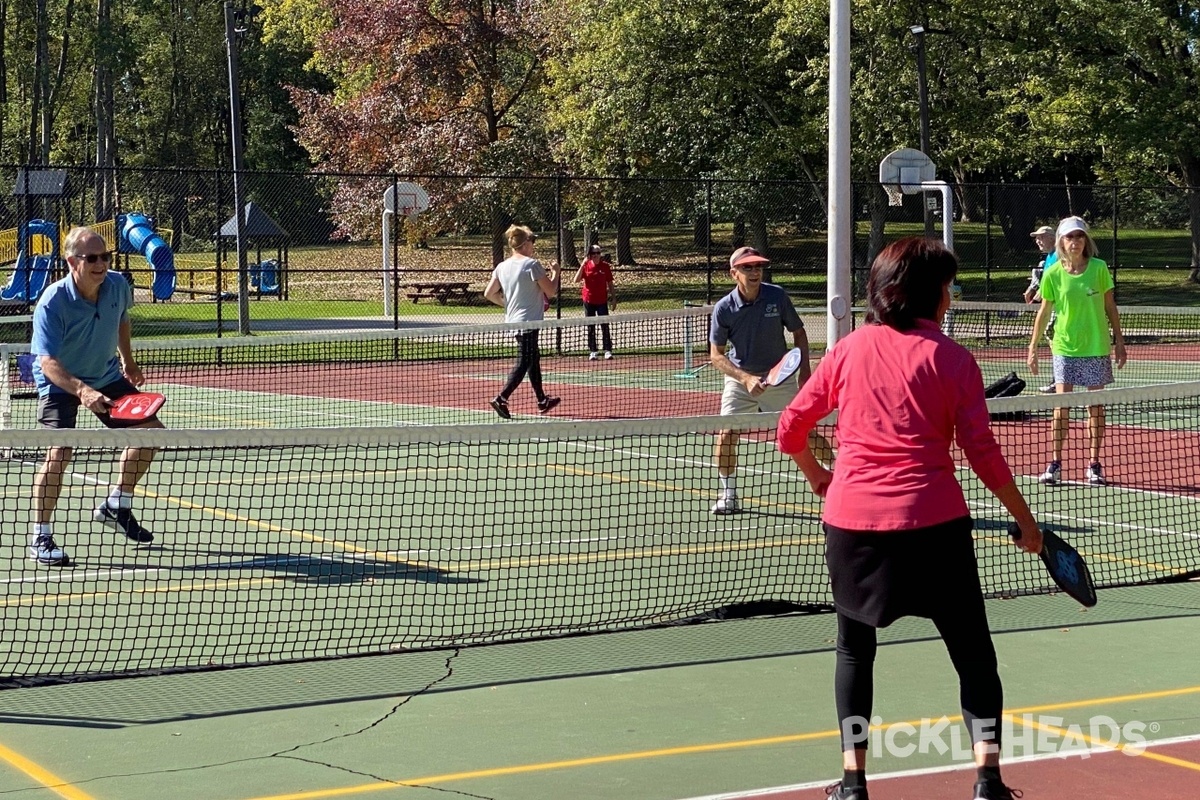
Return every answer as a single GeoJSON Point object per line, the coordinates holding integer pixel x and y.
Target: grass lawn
{"type": "Point", "coordinates": [343, 280]}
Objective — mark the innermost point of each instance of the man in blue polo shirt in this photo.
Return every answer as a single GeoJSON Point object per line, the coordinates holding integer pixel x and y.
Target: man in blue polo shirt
{"type": "Point", "coordinates": [751, 320]}
{"type": "Point", "coordinates": [80, 326]}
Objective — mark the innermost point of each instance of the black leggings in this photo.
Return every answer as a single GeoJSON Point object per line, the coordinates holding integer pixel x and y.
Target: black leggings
{"type": "Point", "coordinates": [529, 360]}
{"type": "Point", "coordinates": [964, 629]}
{"type": "Point", "coordinates": [592, 310]}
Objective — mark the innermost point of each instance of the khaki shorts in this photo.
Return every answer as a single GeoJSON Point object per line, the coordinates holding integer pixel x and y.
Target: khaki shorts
{"type": "Point", "coordinates": [736, 400]}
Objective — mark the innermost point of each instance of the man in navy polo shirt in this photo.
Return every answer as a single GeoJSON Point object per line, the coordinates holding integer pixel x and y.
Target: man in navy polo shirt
{"type": "Point", "coordinates": [751, 321]}
{"type": "Point", "coordinates": [80, 326]}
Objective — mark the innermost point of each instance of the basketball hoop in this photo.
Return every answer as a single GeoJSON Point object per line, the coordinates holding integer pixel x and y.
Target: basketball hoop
{"type": "Point", "coordinates": [902, 172]}
{"type": "Point", "coordinates": [405, 200]}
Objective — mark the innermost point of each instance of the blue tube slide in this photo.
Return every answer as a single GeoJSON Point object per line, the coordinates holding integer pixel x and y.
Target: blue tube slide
{"type": "Point", "coordinates": [138, 236]}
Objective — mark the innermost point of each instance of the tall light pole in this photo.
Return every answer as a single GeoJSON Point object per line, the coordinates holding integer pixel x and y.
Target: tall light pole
{"type": "Point", "coordinates": [923, 95]}
{"type": "Point", "coordinates": [232, 34]}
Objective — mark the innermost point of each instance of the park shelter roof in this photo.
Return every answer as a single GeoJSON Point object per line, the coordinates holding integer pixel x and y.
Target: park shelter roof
{"type": "Point", "coordinates": [255, 225]}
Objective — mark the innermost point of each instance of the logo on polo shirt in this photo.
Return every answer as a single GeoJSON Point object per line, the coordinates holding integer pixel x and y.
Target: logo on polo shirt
{"type": "Point", "coordinates": [772, 310]}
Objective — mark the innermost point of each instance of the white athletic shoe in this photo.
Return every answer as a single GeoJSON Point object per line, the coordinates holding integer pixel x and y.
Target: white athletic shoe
{"type": "Point", "coordinates": [727, 504]}
{"type": "Point", "coordinates": [1095, 474]}
{"type": "Point", "coordinates": [592, 356]}
{"type": "Point", "coordinates": [1052, 475]}
{"type": "Point", "coordinates": [608, 355]}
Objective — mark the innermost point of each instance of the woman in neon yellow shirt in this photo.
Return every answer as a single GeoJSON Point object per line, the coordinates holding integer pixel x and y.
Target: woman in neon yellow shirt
{"type": "Point", "coordinates": [1081, 293]}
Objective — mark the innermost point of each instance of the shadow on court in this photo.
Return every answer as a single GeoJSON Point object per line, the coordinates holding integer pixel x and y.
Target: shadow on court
{"type": "Point", "coordinates": [303, 569]}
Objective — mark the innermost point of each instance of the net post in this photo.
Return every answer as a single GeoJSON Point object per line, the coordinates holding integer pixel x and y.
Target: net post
{"type": "Point", "coordinates": [6, 365]}
{"type": "Point", "coordinates": [689, 371]}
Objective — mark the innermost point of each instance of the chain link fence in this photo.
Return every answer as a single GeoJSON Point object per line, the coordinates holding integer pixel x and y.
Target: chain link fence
{"type": "Point", "coordinates": [315, 243]}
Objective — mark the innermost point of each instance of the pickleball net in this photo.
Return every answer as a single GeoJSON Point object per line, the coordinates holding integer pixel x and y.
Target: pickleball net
{"type": "Point", "coordinates": [1163, 343]}
{"type": "Point", "coordinates": [283, 545]}
{"type": "Point", "coordinates": [419, 375]}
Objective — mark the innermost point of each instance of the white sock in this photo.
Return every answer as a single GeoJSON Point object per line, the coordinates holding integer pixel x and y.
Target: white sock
{"type": "Point", "coordinates": [42, 529]}
{"type": "Point", "coordinates": [728, 485]}
{"type": "Point", "coordinates": [119, 499]}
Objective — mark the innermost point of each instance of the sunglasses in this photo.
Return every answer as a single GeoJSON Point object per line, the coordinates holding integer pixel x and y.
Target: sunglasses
{"type": "Point", "coordinates": [92, 258]}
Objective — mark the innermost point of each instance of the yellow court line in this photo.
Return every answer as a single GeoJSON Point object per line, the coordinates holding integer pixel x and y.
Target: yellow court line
{"type": "Point", "coordinates": [43, 776]}
{"type": "Point", "coordinates": [1133, 562]}
{"type": "Point", "coordinates": [295, 532]}
{"type": "Point", "coordinates": [1078, 734]}
{"type": "Point", "coordinates": [629, 554]}
{"type": "Point", "coordinates": [615, 478]}
{"type": "Point", "coordinates": [711, 748]}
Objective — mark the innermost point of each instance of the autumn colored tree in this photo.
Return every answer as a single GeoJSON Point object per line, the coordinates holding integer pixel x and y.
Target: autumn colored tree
{"type": "Point", "coordinates": [428, 86]}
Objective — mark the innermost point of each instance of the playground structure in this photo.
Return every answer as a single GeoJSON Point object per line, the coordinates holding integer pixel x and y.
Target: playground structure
{"type": "Point", "coordinates": [267, 276]}
{"type": "Point", "coordinates": [37, 260]}
{"type": "Point", "coordinates": [38, 256]}
{"type": "Point", "coordinates": [137, 235]}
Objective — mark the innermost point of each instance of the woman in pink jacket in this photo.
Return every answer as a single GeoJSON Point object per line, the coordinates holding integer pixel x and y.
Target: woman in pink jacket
{"type": "Point", "coordinates": [898, 531]}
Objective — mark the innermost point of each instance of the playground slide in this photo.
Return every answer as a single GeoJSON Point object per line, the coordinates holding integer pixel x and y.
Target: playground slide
{"type": "Point", "coordinates": [30, 277]}
{"type": "Point", "coordinates": [32, 274]}
{"type": "Point", "coordinates": [138, 236]}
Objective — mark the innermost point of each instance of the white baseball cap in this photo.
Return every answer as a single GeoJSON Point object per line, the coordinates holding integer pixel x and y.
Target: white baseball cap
{"type": "Point", "coordinates": [1070, 225]}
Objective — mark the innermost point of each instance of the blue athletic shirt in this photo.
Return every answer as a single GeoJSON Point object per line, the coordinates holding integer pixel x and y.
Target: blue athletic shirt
{"type": "Point", "coordinates": [81, 334]}
{"type": "Point", "coordinates": [754, 330]}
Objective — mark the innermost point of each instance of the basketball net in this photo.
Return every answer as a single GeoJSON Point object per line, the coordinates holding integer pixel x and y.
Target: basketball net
{"type": "Point", "coordinates": [894, 193]}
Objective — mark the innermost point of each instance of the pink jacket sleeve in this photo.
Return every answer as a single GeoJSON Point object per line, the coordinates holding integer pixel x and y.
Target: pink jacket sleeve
{"type": "Point", "coordinates": [816, 398]}
{"type": "Point", "coordinates": [973, 433]}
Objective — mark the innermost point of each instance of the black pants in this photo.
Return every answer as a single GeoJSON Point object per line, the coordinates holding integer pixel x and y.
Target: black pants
{"type": "Point", "coordinates": [964, 629]}
{"type": "Point", "coordinates": [529, 361]}
{"type": "Point", "coordinates": [594, 310]}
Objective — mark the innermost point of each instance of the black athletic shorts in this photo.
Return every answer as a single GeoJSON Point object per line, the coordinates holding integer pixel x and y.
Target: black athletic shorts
{"type": "Point", "coordinates": [61, 410]}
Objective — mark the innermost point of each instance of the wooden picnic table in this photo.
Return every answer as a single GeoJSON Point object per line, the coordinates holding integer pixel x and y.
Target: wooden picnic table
{"type": "Point", "coordinates": [442, 291]}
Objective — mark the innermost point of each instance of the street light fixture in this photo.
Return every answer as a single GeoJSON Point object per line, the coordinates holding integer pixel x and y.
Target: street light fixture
{"type": "Point", "coordinates": [923, 94]}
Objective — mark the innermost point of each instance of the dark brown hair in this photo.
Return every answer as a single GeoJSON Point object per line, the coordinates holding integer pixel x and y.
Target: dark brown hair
{"type": "Point", "coordinates": [907, 280]}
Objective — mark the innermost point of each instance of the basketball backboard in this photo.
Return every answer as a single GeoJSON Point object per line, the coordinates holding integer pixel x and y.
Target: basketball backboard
{"type": "Point", "coordinates": [903, 171]}
{"type": "Point", "coordinates": [407, 199]}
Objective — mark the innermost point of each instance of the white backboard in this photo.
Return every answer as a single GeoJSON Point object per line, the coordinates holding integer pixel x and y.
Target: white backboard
{"type": "Point", "coordinates": [405, 198]}
{"type": "Point", "coordinates": [906, 168]}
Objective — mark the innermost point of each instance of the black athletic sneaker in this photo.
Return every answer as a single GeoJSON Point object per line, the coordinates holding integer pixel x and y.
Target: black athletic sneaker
{"type": "Point", "coordinates": [839, 792]}
{"type": "Point", "coordinates": [547, 403]}
{"type": "Point", "coordinates": [994, 790]}
{"type": "Point", "coordinates": [501, 407]}
{"type": "Point", "coordinates": [122, 519]}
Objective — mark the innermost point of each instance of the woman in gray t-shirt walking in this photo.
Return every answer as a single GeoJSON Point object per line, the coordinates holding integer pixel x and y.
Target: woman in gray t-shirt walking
{"type": "Point", "coordinates": [522, 286]}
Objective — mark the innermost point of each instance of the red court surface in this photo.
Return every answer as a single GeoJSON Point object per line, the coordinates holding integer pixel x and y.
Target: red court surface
{"type": "Point", "coordinates": [1165, 772]}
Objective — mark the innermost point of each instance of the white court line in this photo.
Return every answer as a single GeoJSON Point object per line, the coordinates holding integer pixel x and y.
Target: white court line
{"type": "Point", "coordinates": [916, 773]}
{"type": "Point", "coordinates": [72, 577]}
{"type": "Point", "coordinates": [380, 404]}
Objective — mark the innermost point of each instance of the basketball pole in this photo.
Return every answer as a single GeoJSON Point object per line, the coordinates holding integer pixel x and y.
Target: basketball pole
{"type": "Point", "coordinates": [840, 213]}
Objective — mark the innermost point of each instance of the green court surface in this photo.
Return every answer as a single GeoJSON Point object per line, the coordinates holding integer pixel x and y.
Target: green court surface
{"type": "Point", "coordinates": [686, 712]}
{"type": "Point", "coordinates": [409, 543]}
{"type": "Point", "coordinates": [301, 551]}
